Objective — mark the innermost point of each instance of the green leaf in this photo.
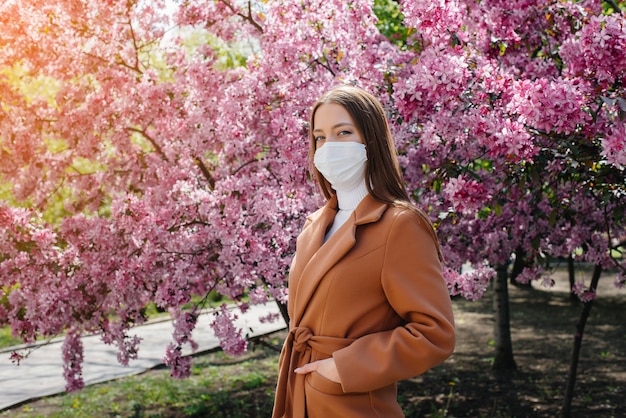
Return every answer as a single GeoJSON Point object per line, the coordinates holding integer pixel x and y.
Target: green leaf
{"type": "Point", "coordinates": [553, 218]}
{"type": "Point", "coordinates": [437, 185]}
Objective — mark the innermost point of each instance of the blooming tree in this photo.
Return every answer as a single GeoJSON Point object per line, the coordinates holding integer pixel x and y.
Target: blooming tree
{"type": "Point", "coordinates": [148, 170]}
{"type": "Point", "coordinates": [163, 154]}
{"type": "Point", "coordinates": [516, 135]}
{"type": "Point", "coordinates": [514, 120]}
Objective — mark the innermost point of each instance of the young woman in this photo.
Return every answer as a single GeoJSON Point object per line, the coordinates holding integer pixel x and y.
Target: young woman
{"type": "Point", "coordinates": [368, 305]}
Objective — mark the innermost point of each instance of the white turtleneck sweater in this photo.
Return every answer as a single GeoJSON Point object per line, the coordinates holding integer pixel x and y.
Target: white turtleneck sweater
{"type": "Point", "coordinates": [347, 201]}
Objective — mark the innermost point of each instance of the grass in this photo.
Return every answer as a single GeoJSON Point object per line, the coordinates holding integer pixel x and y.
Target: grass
{"type": "Point", "coordinates": [219, 386]}
{"type": "Point", "coordinates": [6, 338]}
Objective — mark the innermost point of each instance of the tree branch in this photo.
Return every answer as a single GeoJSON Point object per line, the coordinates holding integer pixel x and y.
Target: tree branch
{"type": "Point", "coordinates": [260, 340]}
{"type": "Point", "coordinates": [156, 146]}
{"type": "Point", "coordinates": [247, 17]}
{"type": "Point", "coordinates": [242, 166]}
{"type": "Point", "coordinates": [615, 6]}
{"type": "Point", "coordinates": [205, 172]}
{"type": "Point", "coordinates": [327, 65]}
{"type": "Point", "coordinates": [135, 47]}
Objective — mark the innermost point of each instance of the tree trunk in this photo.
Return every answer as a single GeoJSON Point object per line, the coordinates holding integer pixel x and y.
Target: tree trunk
{"type": "Point", "coordinates": [566, 411]}
{"type": "Point", "coordinates": [518, 267]}
{"type": "Point", "coordinates": [283, 312]}
{"type": "Point", "coordinates": [572, 278]}
{"type": "Point", "coordinates": [503, 359]}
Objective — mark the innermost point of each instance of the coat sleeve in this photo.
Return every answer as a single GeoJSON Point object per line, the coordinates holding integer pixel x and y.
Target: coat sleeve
{"type": "Point", "coordinates": [414, 286]}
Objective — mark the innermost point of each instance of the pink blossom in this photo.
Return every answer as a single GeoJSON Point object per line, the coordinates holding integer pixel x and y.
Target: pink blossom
{"type": "Point", "coordinates": [547, 282]}
{"type": "Point", "coordinates": [529, 274]}
{"type": "Point", "coordinates": [72, 350]}
{"type": "Point", "coordinates": [583, 292]}
{"type": "Point", "coordinates": [180, 365]}
{"type": "Point", "coordinates": [270, 318]}
{"type": "Point", "coordinates": [470, 285]}
{"type": "Point", "coordinates": [230, 337]}
{"type": "Point", "coordinates": [512, 141]}
{"type": "Point", "coordinates": [434, 19]}
{"type": "Point", "coordinates": [466, 196]}
{"type": "Point", "coordinates": [16, 358]}
{"type": "Point", "coordinates": [620, 279]}
{"type": "Point", "coordinates": [603, 62]}
{"type": "Point", "coordinates": [614, 146]}
{"type": "Point", "coordinates": [557, 105]}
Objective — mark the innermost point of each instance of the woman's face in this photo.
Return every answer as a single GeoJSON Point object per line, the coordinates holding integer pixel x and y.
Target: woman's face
{"type": "Point", "coordinates": [332, 123]}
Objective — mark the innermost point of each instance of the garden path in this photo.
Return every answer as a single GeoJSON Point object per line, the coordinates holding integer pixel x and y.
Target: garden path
{"type": "Point", "coordinates": [41, 374]}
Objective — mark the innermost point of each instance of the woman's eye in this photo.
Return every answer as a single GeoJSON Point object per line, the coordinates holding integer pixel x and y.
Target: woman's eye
{"type": "Point", "coordinates": [344, 133]}
{"type": "Point", "coordinates": [319, 138]}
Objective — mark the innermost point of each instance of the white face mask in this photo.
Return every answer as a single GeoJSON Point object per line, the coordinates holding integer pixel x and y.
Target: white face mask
{"type": "Point", "coordinates": [341, 163]}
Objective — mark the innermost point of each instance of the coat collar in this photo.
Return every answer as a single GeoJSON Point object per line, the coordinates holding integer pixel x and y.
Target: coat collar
{"type": "Point", "coordinates": [318, 257]}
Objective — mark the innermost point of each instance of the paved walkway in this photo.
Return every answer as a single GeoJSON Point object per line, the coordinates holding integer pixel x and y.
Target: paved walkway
{"type": "Point", "coordinates": [41, 374]}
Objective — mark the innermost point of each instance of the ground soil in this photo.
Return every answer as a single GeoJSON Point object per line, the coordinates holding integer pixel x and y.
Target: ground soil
{"type": "Point", "coordinates": [543, 323]}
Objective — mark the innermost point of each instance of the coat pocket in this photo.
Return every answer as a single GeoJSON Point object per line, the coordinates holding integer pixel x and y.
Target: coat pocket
{"type": "Point", "coordinates": [321, 384]}
{"type": "Point", "coordinates": [326, 399]}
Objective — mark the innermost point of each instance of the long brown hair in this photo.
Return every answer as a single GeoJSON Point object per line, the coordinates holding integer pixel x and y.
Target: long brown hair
{"type": "Point", "coordinates": [383, 175]}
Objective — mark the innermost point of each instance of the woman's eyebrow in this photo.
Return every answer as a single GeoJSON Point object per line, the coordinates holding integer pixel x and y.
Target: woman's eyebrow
{"type": "Point", "coordinates": [334, 126]}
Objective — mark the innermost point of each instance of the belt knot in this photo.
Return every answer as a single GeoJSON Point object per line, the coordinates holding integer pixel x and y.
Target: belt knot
{"type": "Point", "coordinates": [301, 337]}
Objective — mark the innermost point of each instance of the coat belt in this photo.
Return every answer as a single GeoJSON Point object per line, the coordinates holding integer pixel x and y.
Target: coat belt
{"type": "Point", "coordinates": [297, 351]}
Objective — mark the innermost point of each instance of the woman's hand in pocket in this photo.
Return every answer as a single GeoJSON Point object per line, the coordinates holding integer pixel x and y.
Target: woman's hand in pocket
{"type": "Point", "coordinates": [325, 367]}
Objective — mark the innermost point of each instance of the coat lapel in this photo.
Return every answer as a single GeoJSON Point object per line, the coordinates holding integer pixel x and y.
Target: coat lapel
{"type": "Point", "coordinates": [318, 257]}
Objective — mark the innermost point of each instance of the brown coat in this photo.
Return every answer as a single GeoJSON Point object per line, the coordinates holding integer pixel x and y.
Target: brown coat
{"type": "Point", "coordinates": [372, 297]}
